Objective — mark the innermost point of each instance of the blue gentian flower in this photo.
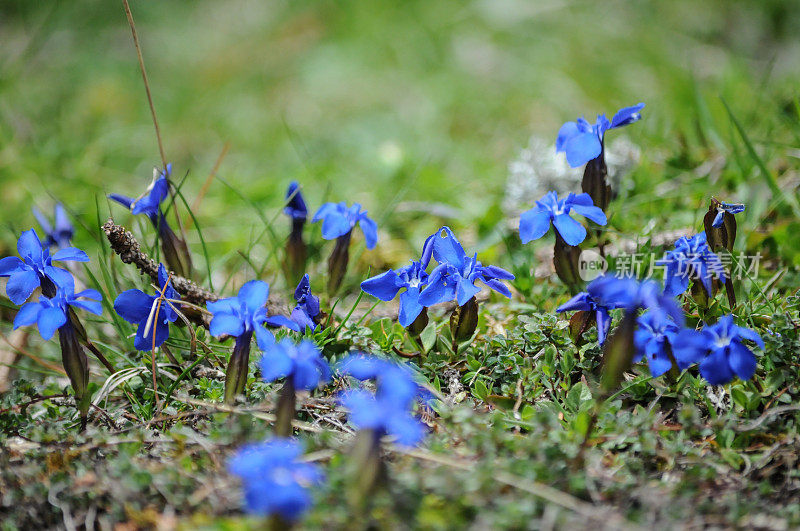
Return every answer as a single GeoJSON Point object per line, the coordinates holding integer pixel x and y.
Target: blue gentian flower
{"type": "Point", "coordinates": [730, 208]}
{"type": "Point", "coordinates": [593, 300]}
{"type": "Point", "coordinates": [653, 340]}
{"type": "Point", "coordinates": [691, 259]}
{"type": "Point", "coordinates": [388, 411]}
{"type": "Point", "coordinates": [456, 274]}
{"type": "Point", "coordinates": [61, 232]}
{"type": "Point", "coordinates": [138, 307]}
{"type": "Point", "coordinates": [275, 480]}
{"type": "Point", "coordinates": [50, 313]}
{"type": "Point", "coordinates": [719, 350]}
{"type": "Point", "coordinates": [339, 220]}
{"type": "Point", "coordinates": [633, 295]}
{"type": "Point", "coordinates": [295, 204]}
{"type": "Point", "coordinates": [535, 223]}
{"type": "Point", "coordinates": [306, 312]}
{"type": "Point", "coordinates": [246, 314]}
{"type": "Point", "coordinates": [303, 363]}
{"type": "Point", "coordinates": [149, 203]}
{"type": "Point", "coordinates": [412, 277]}
{"type": "Point", "coordinates": [582, 141]}
{"type": "Point", "coordinates": [35, 268]}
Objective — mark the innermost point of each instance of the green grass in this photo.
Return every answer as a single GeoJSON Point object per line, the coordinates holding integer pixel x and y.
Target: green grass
{"type": "Point", "coordinates": [407, 108]}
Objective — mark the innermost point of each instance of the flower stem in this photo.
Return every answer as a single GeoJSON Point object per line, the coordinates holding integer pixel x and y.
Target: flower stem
{"type": "Point", "coordinates": [77, 367]}
{"type": "Point", "coordinates": [286, 410]}
{"type": "Point", "coordinates": [236, 375]}
{"type": "Point", "coordinates": [337, 262]}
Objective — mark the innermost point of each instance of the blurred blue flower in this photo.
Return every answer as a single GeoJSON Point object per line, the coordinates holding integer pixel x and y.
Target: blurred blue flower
{"type": "Point", "coordinates": [691, 259]}
{"type": "Point", "coordinates": [36, 266]}
{"type": "Point", "coordinates": [722, 208]}
{"type": "Point", "coordinates": [303, 363]}
{"type": "Point", "coordinates": [149, 203]}
{"type": "Point", "coordinates": [456, 274]}
{"type": "Point", "coordinates": [535, 223]}
{"type": "Point", "coordinates": [50, 313]}
{"type": "Point", "coordinates": [594, 300]}
{"type": "Point", "coordinates": [295, 204]}
{"type": "Point", "coordinates": [139, 308]}
{"type": "Point", "coordinates": [582, 141]}
{"type": "Point", "coordinates": [412, 277]}
{"type": "Point", "coordinates": [633, 295]}
{"type": "Point", "coordinates": [61, 232]}
{"type": "Point", "coordinates": [275, 480]}
{"type": "Point", "coordinates": [246, 314]}
{"type": "Point", "coordinates": [719, 350]}
{"type": "Point", "coordinates": [388, 411]}
{"type": "Point", "coordinates": [653, 339]}
{"type": "Point", "coordinates": [306, 312]}
{"type": "Point", "coordinates": [338, 220]}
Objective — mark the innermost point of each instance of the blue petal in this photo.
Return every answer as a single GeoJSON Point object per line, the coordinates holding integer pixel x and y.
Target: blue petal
{"type": "Point", "coordinates": [254, 294]}
{"type": "Point", "coordinates": [742, 361]}
{"type": "Point", "coordinates": [21, 284]}
{"type": "Point", "coordinates": [716, 369]}
{"type": "Point", "coordinates": [603, 320]}
{"type": "Point", "coordinates": [27, 315]}
{"type": "Point", "coordinates": [582, 148]}
{"type": "Point", "coordinates": [465, 291]}
{"type": "Point", "coordinates": [498, 286]}
{"type": "Point", "coordinates": [326, 210]}
{"type": "Point", "coordinates": [334, 226]}
{"type": "Point", "coordinates": [9, 265]}
{"type": "Point", "coordinates": [497, 272]}
{"type": "Point", "coordinates": [410, 307]}
{"type": "Point", "coordinates": [436, 291]}
{"type": "Point", "coordinates": [365, 412]}
{"type": "Point", "coordinates": [280, 320]}
{"type": "Point", "coordinates": [383, 286]}
{"type": "Point", "coordinates": [578, 302]}
{"type": "Point", "coordinates": [122, 200]}
{"type": "Point", "coordinates": [276, 363]}
{"type": "Point", "coordinates": [71, 254]}
{"type": "Point", "coordinates": [570, 230]}
{"type": "Point", "coordinates": [90, 306]}
{"type": "Point", "coordinates": [533, 224]}
{"type": "Point", "coordinates": [362, 367]}
{"type": "Point", "coordinates": [565, 133]}
{"type": "Point", "coordinates": [50, 320]}
{"type": "Point", "coordinates": [370, 230]}
{"type": "Point", "coordinates": [226, 323]}
{"type": "Point", "coordinates": [746, 333]}
{"type": "Point", "coordinates": [407, 430]}
{"type": "Point", "coordinates": [264, 338]}
{"type": "Point", "coordinates": [689, 347]}
{"type": "Point", "coordinates": [227, 305]}
{"type": "Point", "coordinates": [145, 343]}
{"type": "Point", "coordinates": [627, 115]}
{"type": "Point", "coordinates": [447, 249]}
{"type": "Point", "coordinates": [302, 319]}
{"type": "Point", "coordinates": [30, 246]}
{"type": "Point", "coordinates": [133, 305]}
{"type": "Point", "coordinates": [718, 219]}
{"type": "Point", "coordinates": [593, 213]}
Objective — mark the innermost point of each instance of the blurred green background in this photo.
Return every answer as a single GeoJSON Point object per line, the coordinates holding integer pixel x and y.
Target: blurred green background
{"type": "Point", "coordinates": [383, 102]}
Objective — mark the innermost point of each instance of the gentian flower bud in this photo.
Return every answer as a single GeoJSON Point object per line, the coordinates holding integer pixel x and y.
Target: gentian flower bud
{"type": "Point", "coordinates": [296, 250]}
{"type": "Point", "coordinates": [176, 252]}
{"type": "Point", "coordinates": [337, 222]}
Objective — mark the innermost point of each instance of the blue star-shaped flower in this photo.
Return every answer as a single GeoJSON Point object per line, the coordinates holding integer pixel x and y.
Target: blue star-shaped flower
{"type": "Point", "coordinates": [295, 204]}
{"type": "Point", "coordinates": [719, 350]}
{"type": "Point", "coordinates": [456, 274]}
{"type": "Point", "coordinates": [303, 363]}
{"type": "Point", "coordinates": [150, 202]}
{"type": "Point", "coordinates": [151, 316]}
{"type": "Point", "coordinates": [246, 314]}
{"type": "Point", "coordinates": [535, 223]}
{"type": "Point", "coordinates": [722, 208]}
{"type": "Point", "coordinates": [36, 265]}
{"type": "Point", "coordinates": [594, 300]}
{"type": "Point", "coordinates": [691, 259]}
{"type": "Point", "coordinates": [307, 310]}
{"type": "Point", "coordinates": [582, 141]}
{"type": "Point", "coordinates": [338, 220]}
{"type": "Point", "coordinates": [653, 339]}
{"type": "Point", "coordinates": [412, 277]}
{"type": "Point", "coordinates": [275, 480]}
{"type": "Point", "coordinates": [61, 232]}
{"type": "Point", "coordinates": [50, 313]}
{"type": "Point", "coordinates": [388, 411]}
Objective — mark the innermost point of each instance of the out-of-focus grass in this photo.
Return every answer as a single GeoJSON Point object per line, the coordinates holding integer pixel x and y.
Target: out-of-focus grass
{"type": "Point", "coordinates": [379, 102]}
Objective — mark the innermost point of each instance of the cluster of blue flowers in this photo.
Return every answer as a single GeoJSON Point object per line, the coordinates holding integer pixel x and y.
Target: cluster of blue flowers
{"type": "Point", "coordinates": [453, 278]}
